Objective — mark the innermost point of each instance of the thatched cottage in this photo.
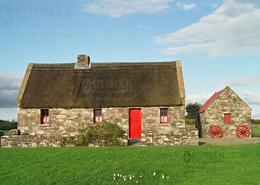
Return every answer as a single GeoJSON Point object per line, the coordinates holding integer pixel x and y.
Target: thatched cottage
{"type": "Point", "coordinates": [225, 114]}
{"type": "Point", "coordinates": [146, 99]}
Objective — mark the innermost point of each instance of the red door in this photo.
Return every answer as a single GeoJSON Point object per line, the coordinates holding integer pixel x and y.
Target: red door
{"type": "Point", "coordinates": [135, 123]}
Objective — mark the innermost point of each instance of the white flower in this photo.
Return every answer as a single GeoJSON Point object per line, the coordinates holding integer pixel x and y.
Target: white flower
{"type": "Point", "coordinates": [162, 176]}
{"type": "Point", "coordinates": [154, 173]}
{"type": "Point", "coordinates": [168, 177]}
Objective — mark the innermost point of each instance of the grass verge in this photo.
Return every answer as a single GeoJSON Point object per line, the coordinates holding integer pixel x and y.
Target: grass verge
{"type": "Point", "coordinates": [238, 164]}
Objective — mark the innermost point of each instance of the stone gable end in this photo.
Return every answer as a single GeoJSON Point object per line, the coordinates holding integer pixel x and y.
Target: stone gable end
{"type": "Point", "coordinates": [227, 102]}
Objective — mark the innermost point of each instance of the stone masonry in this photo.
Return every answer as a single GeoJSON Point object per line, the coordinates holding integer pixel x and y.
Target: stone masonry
{"type": "Point", "coordinates": [69, 122]}
{"type": "Point", "coordinates": [227, 102]}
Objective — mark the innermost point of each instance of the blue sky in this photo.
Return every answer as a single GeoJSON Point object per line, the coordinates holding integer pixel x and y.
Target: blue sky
{"type": "Point", "coordinates": [218, 41]}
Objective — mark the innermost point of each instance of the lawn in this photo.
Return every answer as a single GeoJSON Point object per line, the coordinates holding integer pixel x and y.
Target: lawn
{"type": "Point", "coordinates": [237, 164]}
{"type": "Point", "coordinates": [256, 131]}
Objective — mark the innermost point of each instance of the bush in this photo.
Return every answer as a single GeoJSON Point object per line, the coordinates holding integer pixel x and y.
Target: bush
{"type": "Point", "coordinates": [255, 121]}
{"type": "Point", "coordinates": [67, 141]}
{"type": "Point", "coordinates": [8, 125]}
{"type": "Point", "coordinates": [1, 133]}
{"type": "Point", "coordinates": [192, 110]}
{"type": "Point", "coordinates": [104, 135]}
{"type": "Point", "coordinates": [189, 121]}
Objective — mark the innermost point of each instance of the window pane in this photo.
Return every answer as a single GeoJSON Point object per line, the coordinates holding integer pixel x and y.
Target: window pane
{"type": "Point", "coordinates": [161, 119]}
{"type": "Point", "coordinates": [98, 112]}
{"type": "Point", "coordinates": [97, 115]}
{"type": "Point", "coordinates": [163, 111]}
{"type": "Point", "coordinates": [44, 116]}
{"type": "Point", "coordinates": [165, 119]}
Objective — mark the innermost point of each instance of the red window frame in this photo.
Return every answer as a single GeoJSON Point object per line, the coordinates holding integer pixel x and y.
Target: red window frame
{"type": "Point", "coordinates": [227, 118]}
{"type": "Point", "coordinates": [97, 116]}
{"type": "Point", "coordinates": [44, 116]}
{"type": "Point", "coordinates": [163, 116]}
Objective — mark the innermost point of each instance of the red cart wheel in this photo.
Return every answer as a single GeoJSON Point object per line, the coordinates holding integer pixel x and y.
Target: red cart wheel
{"type": "Point", "coordinates": [215, 131]}
{"type": "Point", "coordinates": [243, 131]}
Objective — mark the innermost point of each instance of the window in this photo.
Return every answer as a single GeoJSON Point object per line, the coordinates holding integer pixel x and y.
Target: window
{"type": "Point", "coordinates": [44, 116]}
{"type": "Point", "coordinates": [163, 116]}
{"type": "Point", "coordinates": [227, 118]}
{"type": "Point", "coordinates": [97, 116]}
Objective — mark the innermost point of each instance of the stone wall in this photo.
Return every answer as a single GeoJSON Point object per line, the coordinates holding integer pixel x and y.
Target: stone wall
{"type": "Point", "coordinates": [30, 141]}
{"type": "Point", "coordinates": [69, 123]}
{"type": "Point", "coordinates": [45, 141]}
{"type": "Point", "coordinates": [170, 136]}
{"type": "Point", "coordinates": [61, 122]}
{"type": "Point", "coordinates": [227, 102]}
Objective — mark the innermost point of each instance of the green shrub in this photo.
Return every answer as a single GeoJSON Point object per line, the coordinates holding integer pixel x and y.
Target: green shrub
{"type": "Point", "coordinates": [104, 135]}
{"type": "Point", "coordinates": [8, 125]}
{"type": "Point", "coordinates": [67, 141]}
{"type": "Point", "coordinates": [255, 121]}
{"type": "Point", "coordinates": [1, 133]}
{"type": "Point", "coordinates": [189, 121]}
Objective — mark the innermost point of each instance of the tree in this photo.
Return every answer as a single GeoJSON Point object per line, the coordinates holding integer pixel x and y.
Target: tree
{"type": "Point", "coordinates": [192, 109]}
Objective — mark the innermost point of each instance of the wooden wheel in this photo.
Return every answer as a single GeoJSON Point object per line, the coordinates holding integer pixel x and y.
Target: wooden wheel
{"type": "Point", "coordinates": [243, 131]}
{"type": "Point", "coordinates": [215, 131]}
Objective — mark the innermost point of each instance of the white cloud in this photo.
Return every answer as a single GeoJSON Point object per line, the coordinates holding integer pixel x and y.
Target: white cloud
{"type": "Point", "coordinates": [186, 6]}
{"type": "Point", "coordinates": [8, 113]}
{"type": "Point", "coordinates": [9, 85]}
{"type": "Point", "coordinates": [233, 28]}
{"type": "Point", "coordinates": [198, 98]}
{"type": "Point", "coordinates": [119, 8]}
{"type": "Point", "coordinates": [238, 82]}
{"type": "Point", "coordinates": [252, 98]}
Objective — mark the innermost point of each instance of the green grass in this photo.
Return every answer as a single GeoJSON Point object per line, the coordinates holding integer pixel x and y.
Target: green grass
{"type": "Point", "coordinates": [256, 131]}
{"type": "Point", "coordinates": [238, 164]}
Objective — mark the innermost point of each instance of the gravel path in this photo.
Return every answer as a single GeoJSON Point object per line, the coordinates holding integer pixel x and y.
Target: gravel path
{"type": "Point", "coordinates": [229, 141]}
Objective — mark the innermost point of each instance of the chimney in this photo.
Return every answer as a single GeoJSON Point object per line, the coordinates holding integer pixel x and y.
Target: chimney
{"type": "Point", "coordinates": [83, 62]}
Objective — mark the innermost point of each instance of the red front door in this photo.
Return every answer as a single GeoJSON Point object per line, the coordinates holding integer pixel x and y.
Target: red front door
{"type": "Point", "coordinates": [135, 123]}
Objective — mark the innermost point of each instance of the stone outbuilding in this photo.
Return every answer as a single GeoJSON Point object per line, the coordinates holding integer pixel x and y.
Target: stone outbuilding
{"type": "Point", "coordinates": [225, 114]}
{"type": "Point", "coordinates": [146, 99]}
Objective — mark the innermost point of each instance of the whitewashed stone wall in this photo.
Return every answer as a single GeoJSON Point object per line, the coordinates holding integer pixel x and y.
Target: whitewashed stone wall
{"type": "Point", "coordinates": [227, 102]}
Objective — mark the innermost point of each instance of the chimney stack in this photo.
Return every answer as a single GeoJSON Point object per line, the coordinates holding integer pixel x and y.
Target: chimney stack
{"type": "Point", "coordinates": [83, 62]}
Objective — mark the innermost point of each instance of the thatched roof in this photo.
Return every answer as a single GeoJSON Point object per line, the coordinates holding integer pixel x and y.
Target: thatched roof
{"type": "Point", "coordinates": [103, 85]}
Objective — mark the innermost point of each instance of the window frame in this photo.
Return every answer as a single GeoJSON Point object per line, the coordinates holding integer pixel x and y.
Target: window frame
{"type": "Point", "coordinates": [44, 117]}
{"type": "Point", "coordinates": [97, 116]}
{"type": "Point", "coordinates": [164, 116]}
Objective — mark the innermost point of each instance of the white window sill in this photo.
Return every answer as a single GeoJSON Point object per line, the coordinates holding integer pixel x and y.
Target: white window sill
{"type": "Point", "coordinates": [165, 124]}
{"type": "Point", "coordinates": [44, 125]}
